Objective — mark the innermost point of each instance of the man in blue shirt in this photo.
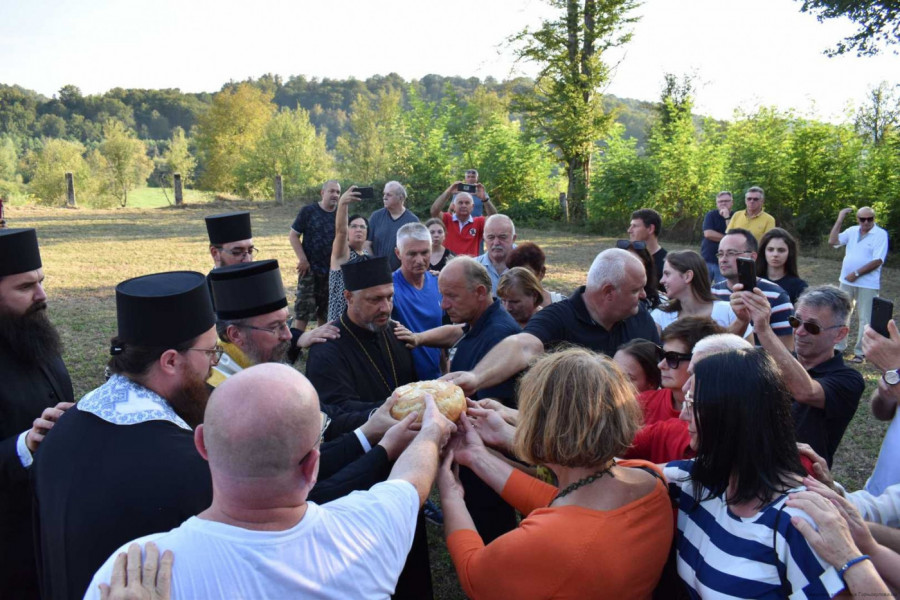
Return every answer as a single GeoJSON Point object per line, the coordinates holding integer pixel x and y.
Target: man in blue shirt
{"type": "Point", "coordinates": [714, 225]}
{"type": "Point", "coordinates": [417, 301]}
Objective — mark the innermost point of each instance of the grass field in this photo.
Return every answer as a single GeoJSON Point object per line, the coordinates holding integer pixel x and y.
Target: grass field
{"type": "Point", "coordinates": [87, 252]}
{"type": "Point", "coordinates": [149, 197]}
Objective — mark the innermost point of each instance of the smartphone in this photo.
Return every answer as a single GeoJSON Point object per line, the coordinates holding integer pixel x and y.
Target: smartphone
{"type": "Point", "coordinates": [746, 273]}
{"type": "Point", "coordinates": [467, 187]}
{"type": "Point", "coordinates": [882, 312]}
{"type": "Point", "coordinates": [366, 193]}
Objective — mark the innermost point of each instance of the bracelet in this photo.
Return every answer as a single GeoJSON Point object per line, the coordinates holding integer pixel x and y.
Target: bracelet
{"type": "Point", "coordinates": [850, 563]}
{"type": "Point", "coordinates": [856, 273]}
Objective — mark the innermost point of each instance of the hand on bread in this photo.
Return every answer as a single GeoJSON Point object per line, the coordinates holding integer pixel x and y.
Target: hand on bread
{"type": "Point", "coordinates": [510, 415]}
{"type": "Point", "coordinates": [380, 421]}
{"type": "Point", "coordinates": [491, 428]}
{"type": "Point", "coordinates": [466, 443]}
{"type": "Point", "coordinates": [467, 380]}
{"type": "Point", "coordinates": [397, 438]}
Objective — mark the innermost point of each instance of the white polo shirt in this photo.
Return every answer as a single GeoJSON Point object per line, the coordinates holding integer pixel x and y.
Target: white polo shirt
{"type": "Point", "coordinates": [862, 251]}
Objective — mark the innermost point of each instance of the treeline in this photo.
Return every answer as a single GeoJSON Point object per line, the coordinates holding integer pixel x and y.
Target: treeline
{"type": "Point", "coordinates": [426, 132]}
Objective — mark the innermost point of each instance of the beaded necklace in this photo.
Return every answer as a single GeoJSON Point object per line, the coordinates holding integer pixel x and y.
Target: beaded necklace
{"type": "Point", "coordinates": [584, 481]}
{"type": "Point", "coordinates": [387, 346]}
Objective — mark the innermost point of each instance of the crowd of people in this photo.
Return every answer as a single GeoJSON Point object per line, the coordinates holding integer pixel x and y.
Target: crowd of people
{"type": "Point", "coordinates": [665, 431]}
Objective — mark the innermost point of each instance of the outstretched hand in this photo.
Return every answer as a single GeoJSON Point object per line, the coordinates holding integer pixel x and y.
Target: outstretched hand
{"type": "Point", "coordinates": [320, 334]}
{"type": "Point", "coordinates": [466, 444]}
{"type": "Point", "coordinates": [491, 428]}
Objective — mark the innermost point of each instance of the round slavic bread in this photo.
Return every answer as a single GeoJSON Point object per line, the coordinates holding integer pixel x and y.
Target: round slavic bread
{"type": "Point", "coordinates": [449, 398]}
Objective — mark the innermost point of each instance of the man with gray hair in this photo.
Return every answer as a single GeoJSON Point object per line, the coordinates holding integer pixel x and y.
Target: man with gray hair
{"type": "Point", "coordinates": [465, 229]}
{"type": "Point", "coordinates": [826, 391]}
{"type": "Point", "coordinates": [500, 239]}
{"type": "Point", "coordinates": [600, 316]}
{"type": "Point", "coordinates": [417, 301]}
{"type": "Point", "coordinates": [385, 222]}
{"type": "Point", "coordinates": [753, 218]}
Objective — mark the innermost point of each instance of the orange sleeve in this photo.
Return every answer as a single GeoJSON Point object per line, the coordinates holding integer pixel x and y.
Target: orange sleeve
{"type": "Point", "coordinates": [525, 493]}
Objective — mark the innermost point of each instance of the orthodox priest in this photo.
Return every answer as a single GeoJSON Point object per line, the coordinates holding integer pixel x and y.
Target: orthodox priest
{"type": "Point", "coordinates": [122, 462]}
{"type": "Point", "coordinates": [367, 363]}
{"type": "Point", "coordinates": [230, 238]}
{"type": "Point", "coordinates": [35, 389]}
{"type": "Point", "coordinates": [251, 312]}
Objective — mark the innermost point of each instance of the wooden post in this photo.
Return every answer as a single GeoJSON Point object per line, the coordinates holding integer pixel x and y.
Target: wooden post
{"type": "Point", "coordinates": [70, 190]}
{"type": "Point", "coordinates": [179, 197]}
{"type": "Point", "coordinates": [2, 218]}
{"type": "Point", "coordinates": [564, 205]}
{"type": "Point", "coordinates": [279, 191]}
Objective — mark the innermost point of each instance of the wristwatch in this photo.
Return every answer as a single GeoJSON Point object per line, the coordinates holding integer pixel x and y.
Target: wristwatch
{"type": "Point", "coordinates": [891, 377]}
{"type": "Point", "coordinates": [856, 273]}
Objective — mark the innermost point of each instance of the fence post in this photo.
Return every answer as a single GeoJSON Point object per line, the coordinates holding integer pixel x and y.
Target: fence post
{"type": "Point", "coordinates": [279, 191]}
{"type": "Point", "coordinates": [179, 198]}
{"type": "Point", "coordinates": [564, 205]}
{"type": "Point", "coordinates": [70, 190]}
{"type": "Point", "coordinates": [2, 218]}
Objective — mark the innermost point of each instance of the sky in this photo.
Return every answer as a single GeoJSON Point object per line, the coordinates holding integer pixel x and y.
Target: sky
{"type": "Point", "coordinates": [742, 53]}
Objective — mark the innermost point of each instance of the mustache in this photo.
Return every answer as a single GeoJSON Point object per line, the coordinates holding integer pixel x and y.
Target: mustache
{"type": "Point", "coordinates": [36, 307]}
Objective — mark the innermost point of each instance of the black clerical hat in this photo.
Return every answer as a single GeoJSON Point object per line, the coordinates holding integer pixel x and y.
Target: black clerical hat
{"type": "Point", "coordinates": [19, 251]}
{"type": "Point", "coordinates": [228, 227]}
{"type": "Point", "coordinates": [247, 289]}
{"type": "Point", "coordinates": [163, 309]}
{"type": "Point", "coordinates": [362, 274]}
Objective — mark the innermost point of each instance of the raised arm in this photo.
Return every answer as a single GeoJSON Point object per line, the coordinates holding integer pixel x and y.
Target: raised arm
{"type": "Point", "coordinates": [836, 229]}
{"type": "Point", "coordinates": [340, 250]}
{"type": "Point", "coordinates": [489, 208]}
{"type": "Point", "coordinates": [437, 207]}
{"type": "Point", "coordinates": [506, 359]}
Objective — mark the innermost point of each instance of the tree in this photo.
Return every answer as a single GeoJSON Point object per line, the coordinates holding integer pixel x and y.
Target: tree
{"type": "Point", "coordinates": [125, 164]}
{"type": "Point", "coordinates": [229, 131]}
{"type": "Point", "coordinates": [878, 21]}
{"type": "Point", "coordinates": [289, 147]}
{"type": "Point", "coordinates": [177, 158]}
{"type": "Point", "coordinates": [376, 142]}
{"type": "Point", "coordinates": [565, 105]}
{"type": "Point", "coordinates": [49, 166]}
{"type": "Point", "coordinates": [8, 159]}
{"type": "Point", "coordinates": [881, 115]}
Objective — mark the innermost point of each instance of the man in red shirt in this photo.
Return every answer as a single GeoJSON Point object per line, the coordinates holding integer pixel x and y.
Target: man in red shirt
{"type": "Point", "coordinates": [464, 232]}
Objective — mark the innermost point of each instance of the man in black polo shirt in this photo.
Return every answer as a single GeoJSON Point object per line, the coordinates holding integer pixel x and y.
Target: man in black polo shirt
{"type": "Point", "coordinates": [826, 392]}
{"type": "Point", "coordinates": [600, 316]}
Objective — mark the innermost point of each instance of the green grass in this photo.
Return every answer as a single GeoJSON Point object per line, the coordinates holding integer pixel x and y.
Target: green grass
{"type": "Point", "coordinates": [87, 252]}
{"type": "Point", "coordinates": [148, 197]}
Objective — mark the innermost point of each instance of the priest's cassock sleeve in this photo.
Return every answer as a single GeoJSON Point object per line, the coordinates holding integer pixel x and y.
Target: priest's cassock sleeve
{"type": "Point", "coordinates": [360, 474]}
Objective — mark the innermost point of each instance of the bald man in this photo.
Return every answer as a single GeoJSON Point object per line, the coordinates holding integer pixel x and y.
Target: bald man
{"type": "Point", "coordinates": [261, 538]}
{"type": "Point", "coordinates": [867, 246]}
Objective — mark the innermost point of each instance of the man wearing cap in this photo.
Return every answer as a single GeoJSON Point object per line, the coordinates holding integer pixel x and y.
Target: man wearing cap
{"type": "Point", "coordinates": [230, 238]}
{"type": "Point", "coordinates": [35, 389]}
{"type": "Point", "coordinates": [122, 462]}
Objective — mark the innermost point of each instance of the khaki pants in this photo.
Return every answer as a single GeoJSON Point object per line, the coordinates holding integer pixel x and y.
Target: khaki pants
{"type": "Point", "coordinates": [862, 303]}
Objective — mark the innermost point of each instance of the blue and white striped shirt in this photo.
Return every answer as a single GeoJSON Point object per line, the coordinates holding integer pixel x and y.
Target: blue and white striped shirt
{"type": "Point", "coordinates": [782, 308]}
{"type": "Point", "coordinates": [723, 556]}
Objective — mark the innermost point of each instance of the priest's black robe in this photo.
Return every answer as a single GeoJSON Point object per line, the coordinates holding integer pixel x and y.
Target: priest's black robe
{"type": "Point", "coordinates": [25, 391]}
{"type": "Point", "coordinates": [100, 485]}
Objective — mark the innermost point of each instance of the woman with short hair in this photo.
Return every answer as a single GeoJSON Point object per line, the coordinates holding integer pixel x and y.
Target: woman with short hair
{"type": "Point", "coordinates": [521, 294]}
{"type": "Point", "coordinates": [607, 529]}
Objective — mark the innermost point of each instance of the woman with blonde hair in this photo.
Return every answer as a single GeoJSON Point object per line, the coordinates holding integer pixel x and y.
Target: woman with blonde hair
{"type": "Point", "coordinates": [521, 294]}
{"type": "Point", "coordinates": [605, 531]}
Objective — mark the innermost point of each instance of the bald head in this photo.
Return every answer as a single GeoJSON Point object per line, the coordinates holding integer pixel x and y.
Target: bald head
{"type": "Point", "coordinates": [613, 267]}
{"type": "Point", "coordinates": [261, 422]}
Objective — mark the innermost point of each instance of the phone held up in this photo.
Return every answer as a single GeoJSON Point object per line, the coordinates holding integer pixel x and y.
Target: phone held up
{"type": "Point", "coordinates": [746, 273]}
{"type": "Point", "coordinates": [467, 187]}
{"type": "Point", "coordinates": [366, 193]}
{"type": "Point", "coordinates": [882, 312]}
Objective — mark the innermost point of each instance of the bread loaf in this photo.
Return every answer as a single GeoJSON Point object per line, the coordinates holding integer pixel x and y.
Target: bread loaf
{"type": "Point", "coordinates": [449, 398]}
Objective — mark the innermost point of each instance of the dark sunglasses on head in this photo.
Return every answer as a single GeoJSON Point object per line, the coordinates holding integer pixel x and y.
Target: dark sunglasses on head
{"type": "Point", "coordinates": [865, 219]}
{"type": "Point", "coordinates": [811, 328]}
{"type": "Point", "coordinates": [673, 359]}
{"type": "Point", "coordinates": [626, 244]}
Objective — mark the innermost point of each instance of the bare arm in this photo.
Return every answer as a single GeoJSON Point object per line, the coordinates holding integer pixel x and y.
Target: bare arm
{"type": "Point", "coordinates": [836, 229]}
{"type": "Point", "coordinates": [713, 235]}
{"type": "Point", "coordinates": [506, 359]}
{"type": "Point", "coordinates": [437, 337]}
{"type": "Point", "coordinates": [884, 401]}
{"type": "Point", "coordinates": [340, 250]}
{"type": "Point", "coordinates": [489, 208]}
{"type": "Point", "coordinates": [870, 266]}
{"type": "Point", "coordinates": [297, 245]}
{"type": "Point", "coordinates": [438, 205]}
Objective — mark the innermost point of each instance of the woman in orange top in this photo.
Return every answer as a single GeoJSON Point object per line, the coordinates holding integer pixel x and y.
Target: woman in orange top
{"type": "Point", "coordinates": [604, 533]}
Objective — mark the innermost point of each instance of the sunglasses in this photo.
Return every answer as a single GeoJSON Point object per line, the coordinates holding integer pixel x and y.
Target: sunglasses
{"type": "Point", "coordinates": [811, 328]}
{"type": "Point", "coordinates": [626, 244]}
{"type": "Point", "coordinates": [865, 219]}
{"type": "Point", "coordinates": [673, 359]}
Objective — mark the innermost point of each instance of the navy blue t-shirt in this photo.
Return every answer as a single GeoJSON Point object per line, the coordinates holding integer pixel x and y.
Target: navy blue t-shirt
{"type": "Point", "coordinates": [316, 225]}
{"type": "Point", "coordinates": [568, 321]}
{"type": "Point", "coordinates": [494, 325]}
{"type": "Point", "coordinates": [713, 220]}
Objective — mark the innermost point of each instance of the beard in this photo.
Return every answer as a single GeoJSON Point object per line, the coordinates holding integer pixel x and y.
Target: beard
{"type": "Point", "coordinates": [257, 356]}
{"type": "Point", "coordinates": [31, 337]}
{"type": "Point", "coordinates": [189, 401]}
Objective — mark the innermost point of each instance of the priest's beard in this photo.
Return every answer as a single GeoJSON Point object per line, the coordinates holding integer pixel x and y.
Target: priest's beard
{"type": "Point", "coordinates": [258, 355]}
{"type": "Point", "coordinates": [31, 336]}
{"type": "Point", "coordinates": [189, 401]}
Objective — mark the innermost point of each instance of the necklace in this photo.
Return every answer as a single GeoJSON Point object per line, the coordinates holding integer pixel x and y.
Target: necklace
{"type": "Point", "coordinates": [387, 346]}
{"type": "Point", "coordinates": [584, 481]}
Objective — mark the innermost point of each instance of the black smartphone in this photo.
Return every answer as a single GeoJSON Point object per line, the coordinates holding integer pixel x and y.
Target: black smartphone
{"type": "Point", "coordinates": [882, 312]}
{"type": "Point", "coordinates": [467, 187]}
{"type": "Point", "coordinates": [366, 193]}
{"type": "Point", "coordinates": [747, 273]}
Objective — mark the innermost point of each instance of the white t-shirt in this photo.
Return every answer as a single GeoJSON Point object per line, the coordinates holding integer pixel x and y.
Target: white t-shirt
{"type": "Point", "coordinates": [722, 314]}
{"type": "Point", "coordinates": [353, 547]}
{"type": "Point", "coordinates": [862, 251]}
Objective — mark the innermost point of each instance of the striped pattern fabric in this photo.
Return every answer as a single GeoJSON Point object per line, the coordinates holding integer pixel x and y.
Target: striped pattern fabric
{"type": "Point", "coordinates": [778, 300]}
{"type": "Point", "coordinates": [721, 555]}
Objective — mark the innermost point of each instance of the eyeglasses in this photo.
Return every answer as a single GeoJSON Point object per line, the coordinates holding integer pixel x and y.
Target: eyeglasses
{"type": "Point", "coordinates": [213, 354]}
{"type": "Point", "coordinates": [811, 328]}
{"type": "Point", "coordinates": [362, 226]}
{"type": "Point", "coordinates": [673, 359]}
{"type": "Point", "coordinates": [688, 402]}
{"type": "Point", "coordinates": [865, 219]}
{"type": "Point", "coordinates": [626, 244]}
{"type": "Point", "coordinates": [731, 253]}
{"type": "Point", "coordinates": [752, 199]}
{"type": "Point", "coordinates": [326, 421]}
{"type": "Point", "coordinates": [274, 329]}
{"type": "Point", "coordinates": [239, 252]}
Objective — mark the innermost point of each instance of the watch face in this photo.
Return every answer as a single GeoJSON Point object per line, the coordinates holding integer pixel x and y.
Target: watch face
{"type": "Point", "coordinates": [892, 377]}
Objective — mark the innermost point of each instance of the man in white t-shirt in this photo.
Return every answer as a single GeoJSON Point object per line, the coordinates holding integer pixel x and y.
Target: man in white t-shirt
{"type": "Point", "coordinates": [867, 246]}
{"type": "Point", "coordinates": [261, 538]}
